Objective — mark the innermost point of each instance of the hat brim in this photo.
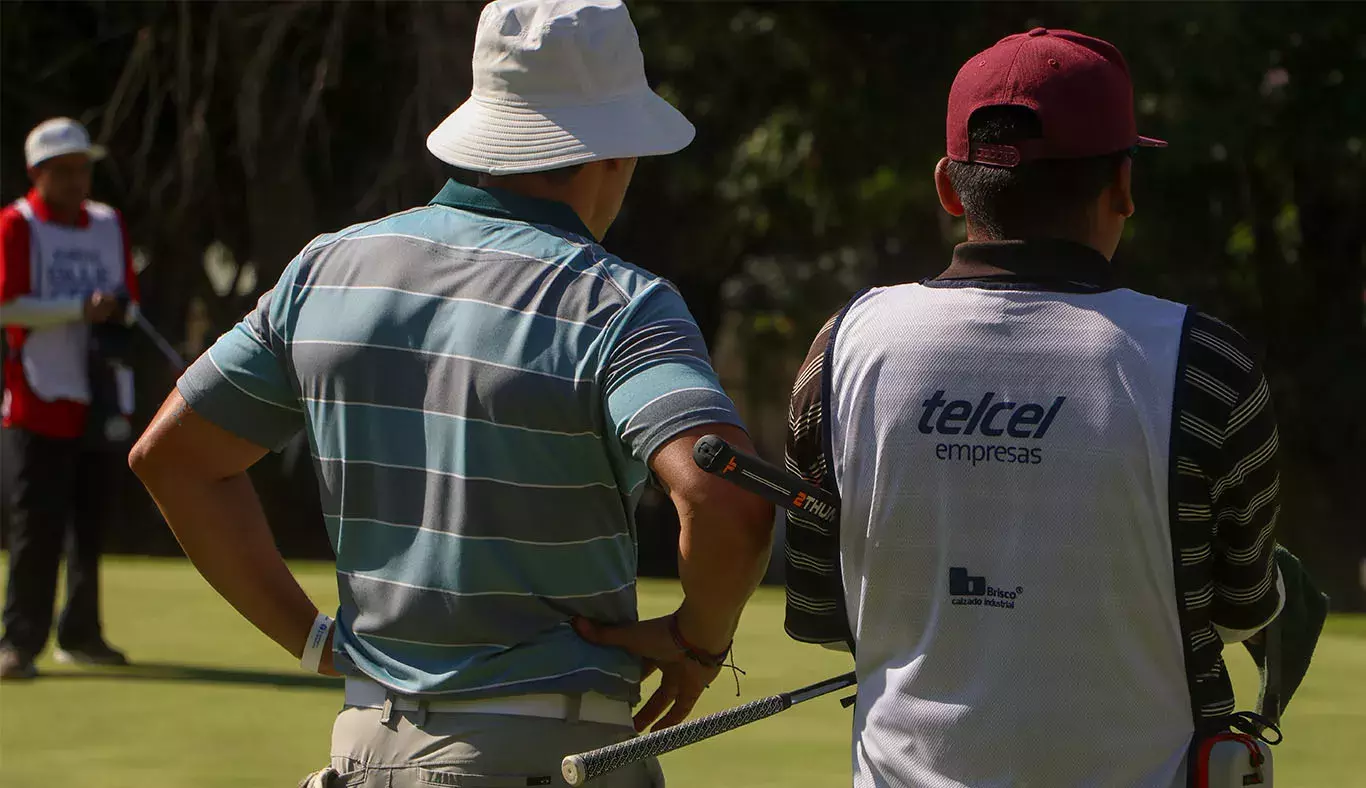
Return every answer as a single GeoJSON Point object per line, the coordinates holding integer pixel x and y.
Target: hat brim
{"type": "Point", "coordinates": [93, 152]}
{"type": "Point", "coordinates": [1150, 142]}
{"type": "Point", "coordinates": [501, 138]}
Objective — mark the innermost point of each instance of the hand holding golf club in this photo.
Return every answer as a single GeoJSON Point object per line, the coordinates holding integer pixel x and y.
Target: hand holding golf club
{"type": "Point", "coordinates": [100, 307]}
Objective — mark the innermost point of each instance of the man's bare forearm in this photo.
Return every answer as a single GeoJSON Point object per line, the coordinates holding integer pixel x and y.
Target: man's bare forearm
{"type": "Point", "coordinates": [723, 546]}
{"type": "Point", "coordinates": [721, 560]}
{"type": "Point", "coordinates": [221, 527]}
{"type": "Point", "coordinates": [215, 514]}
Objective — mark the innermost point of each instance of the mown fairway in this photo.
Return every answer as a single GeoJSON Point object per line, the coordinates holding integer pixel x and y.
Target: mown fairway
{"type": "Point", "coordinates": [213, 703]}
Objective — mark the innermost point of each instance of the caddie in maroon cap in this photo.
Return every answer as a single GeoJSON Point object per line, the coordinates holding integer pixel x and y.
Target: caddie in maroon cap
{"type": "Point", "coordinates": [1032, 463]}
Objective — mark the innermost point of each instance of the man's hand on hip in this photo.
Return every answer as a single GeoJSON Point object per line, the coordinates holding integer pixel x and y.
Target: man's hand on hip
{"type": "Point", "coordinates": [682, 678]}
{"type": "Point", "coordinates": [723, 545]}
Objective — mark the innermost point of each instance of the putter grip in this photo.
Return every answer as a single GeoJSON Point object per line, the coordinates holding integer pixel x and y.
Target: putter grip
{"type": "Point", "coordinates": [578, 769]}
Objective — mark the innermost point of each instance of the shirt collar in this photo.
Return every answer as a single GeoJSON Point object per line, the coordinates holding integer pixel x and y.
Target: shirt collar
{"type": "Point", "coordinates": [43, 211]}
{"type": "Point", "coordinates": [1050, 264]}
{"type": "Point", "coordinates": [491, 201]}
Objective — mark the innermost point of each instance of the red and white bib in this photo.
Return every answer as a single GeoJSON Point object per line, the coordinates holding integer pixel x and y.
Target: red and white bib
{"type": "Point", "coordinates": [69, 262]}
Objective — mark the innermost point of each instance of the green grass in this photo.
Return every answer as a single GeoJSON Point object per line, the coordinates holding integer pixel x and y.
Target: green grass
{"type": "Point", "coordinates": [213, 703]}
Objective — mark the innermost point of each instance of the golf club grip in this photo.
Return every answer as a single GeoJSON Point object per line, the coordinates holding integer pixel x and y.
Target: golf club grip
{"type": "Point", "coordinates": [714, 455]}
{"type": "Point", "coordinates": [580, 768]}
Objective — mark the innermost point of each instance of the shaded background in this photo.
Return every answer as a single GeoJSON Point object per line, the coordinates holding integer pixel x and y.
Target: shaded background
{"type": "Point", "coordinates": [238, 131]}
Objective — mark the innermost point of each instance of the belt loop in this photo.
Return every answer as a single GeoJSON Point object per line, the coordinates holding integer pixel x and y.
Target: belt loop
{"type": "Point", "coordinates": [420, 714]}
{"type": "Point", "coordinates": [388, 709]}
{"type": "Point", "coordinates": [573, 708]}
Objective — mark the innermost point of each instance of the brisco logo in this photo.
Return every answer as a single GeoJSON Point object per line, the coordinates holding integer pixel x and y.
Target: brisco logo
{"type": "Point", "coordinates": [987, 416]}
{"type": "Point", "coordinates": [808, 504]}
{"type": "Point", "coordinates": [730, 466]}
{"type": "Point", "coordinates": [966, 589]}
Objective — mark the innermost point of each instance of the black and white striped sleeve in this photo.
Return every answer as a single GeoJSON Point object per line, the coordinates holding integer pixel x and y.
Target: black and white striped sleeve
{"type": "Point", "coordinates": [1241, 474]}
{"type": "Point", "coordinates": [815, 596]}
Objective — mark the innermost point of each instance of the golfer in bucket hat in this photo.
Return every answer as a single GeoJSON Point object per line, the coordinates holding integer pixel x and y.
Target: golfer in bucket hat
{"type": "Point", "coordinates": [486, 391]}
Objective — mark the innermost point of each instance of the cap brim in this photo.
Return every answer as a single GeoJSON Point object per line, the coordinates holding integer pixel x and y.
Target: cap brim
{"type": "Point", "coordinates": [92, 152]}
{"type": "Point", "coordinates": [1150, 142]}
{"type": "Point", "coordinates": [502, 138]}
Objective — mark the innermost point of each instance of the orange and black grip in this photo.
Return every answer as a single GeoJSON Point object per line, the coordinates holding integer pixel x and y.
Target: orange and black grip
{"type": "Point", "coordinates": [714, 455]}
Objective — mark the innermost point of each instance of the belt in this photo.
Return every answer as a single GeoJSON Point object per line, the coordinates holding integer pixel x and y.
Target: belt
{"type": "Point", "coordinates": [591, 706]}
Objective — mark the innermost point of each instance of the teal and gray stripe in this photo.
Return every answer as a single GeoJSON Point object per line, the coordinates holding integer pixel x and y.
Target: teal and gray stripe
{"type": "Point", "coordinates": [480, 396]}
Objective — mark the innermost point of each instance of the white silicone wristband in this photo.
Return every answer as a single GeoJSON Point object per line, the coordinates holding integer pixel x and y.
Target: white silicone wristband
{"type": "Point", "coordinates": [313, 646]}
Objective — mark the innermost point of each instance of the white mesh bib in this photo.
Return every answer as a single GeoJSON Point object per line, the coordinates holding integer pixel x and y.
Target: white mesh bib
{"type": "Point", "coordinates": [69, 262]}
{"type": "Point", "coordinates": [1002, 458]}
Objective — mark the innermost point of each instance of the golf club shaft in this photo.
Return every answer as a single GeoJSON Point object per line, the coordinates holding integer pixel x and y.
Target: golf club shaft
{"type": "Point", "coordinates": [714, 455]}
{"type": "Point", "coordinates": [160, 341]}
{"type": "Point", "coordinates": [579, 769]}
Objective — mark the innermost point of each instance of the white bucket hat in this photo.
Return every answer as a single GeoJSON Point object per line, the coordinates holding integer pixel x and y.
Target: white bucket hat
{"type": "Point", "coordinates": [557, 83]}
{"type": "Point", "coordinates": [58, 137]}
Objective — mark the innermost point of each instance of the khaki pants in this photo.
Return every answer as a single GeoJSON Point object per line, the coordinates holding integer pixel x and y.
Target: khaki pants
{"type": "Point", "coordinates": [467, 751]}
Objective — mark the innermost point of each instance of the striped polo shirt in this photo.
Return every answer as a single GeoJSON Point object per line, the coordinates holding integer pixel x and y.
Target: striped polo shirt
{"type": "Point", "coordinates": [482, 386]}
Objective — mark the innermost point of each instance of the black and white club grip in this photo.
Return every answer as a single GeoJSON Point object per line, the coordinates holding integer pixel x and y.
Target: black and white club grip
{"type": "Point", "coordinates": [714, 455]}
{"type": "Point", "coordinates": [578, 769]}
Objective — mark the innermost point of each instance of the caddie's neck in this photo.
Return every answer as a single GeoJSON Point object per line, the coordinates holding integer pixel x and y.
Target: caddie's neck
{"type": "Point", "coordinates": [594, 190]}
{"type": "Point", "coordinates": [61, 212]}
{"type": "Point", "coordinates": [1100, 226]}
{"type": "Point", "coordinates": [1102, 239]}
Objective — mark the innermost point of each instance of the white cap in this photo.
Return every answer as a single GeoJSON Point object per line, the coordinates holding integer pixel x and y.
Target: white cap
{"type": "Point", "coordinates": [58, 137]}
{"type": "Point", "coordinates": [557, 83]}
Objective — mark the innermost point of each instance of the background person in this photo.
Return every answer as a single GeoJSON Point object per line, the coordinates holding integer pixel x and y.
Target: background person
{"type": "Point", "coordinates": [486, 391]}
{"type": "Point", "coordinates": [66, 280]}
{"type": "Point", "coordinates": [1061, 502]}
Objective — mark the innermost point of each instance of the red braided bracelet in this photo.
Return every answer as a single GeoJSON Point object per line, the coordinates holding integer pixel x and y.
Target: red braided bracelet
{"type": "Point", "coordinates": [700, 656]}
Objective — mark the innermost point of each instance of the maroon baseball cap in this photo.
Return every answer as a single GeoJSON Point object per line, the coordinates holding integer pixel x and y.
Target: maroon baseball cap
{"type": "Point", "coordinates": [1078, 86]}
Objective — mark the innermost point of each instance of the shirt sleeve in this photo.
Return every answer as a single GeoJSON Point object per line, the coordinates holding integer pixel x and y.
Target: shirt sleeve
{"type": "Point", "coordinates": [815, 592]}
{"type": "Point", "coordinates": [657, 377]}
{"type": "Point", "coordinates": [14, 255]}
{"type": "Point", "coordinates": [243, 383]}
{"type": "Point", "coordinates": [1243, 478]}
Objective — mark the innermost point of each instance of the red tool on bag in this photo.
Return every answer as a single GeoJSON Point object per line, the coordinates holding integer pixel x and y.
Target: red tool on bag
{"type": "Point", "coordinates": [1240, 754]}
{"type": "Point", "coordinates": [1228, 760]}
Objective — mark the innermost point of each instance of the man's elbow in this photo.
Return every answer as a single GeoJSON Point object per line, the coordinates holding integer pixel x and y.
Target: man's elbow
{"type": "Point", "coordinates": [139, 457]}
{"type": "Point", "coordinates": [147, 459]}
{"type": "Point", "coordinates": [761, 518]}
{"type": "Point", "coordinates": [741, 518]}
{"type": "Point", "coordinates": [155, 451]}
{"type": "Point", "coordinates": [753, 522]}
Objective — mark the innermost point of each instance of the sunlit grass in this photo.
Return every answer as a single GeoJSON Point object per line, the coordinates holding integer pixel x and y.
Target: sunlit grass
{"type": "Point", "coordinates": [216, 704]}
